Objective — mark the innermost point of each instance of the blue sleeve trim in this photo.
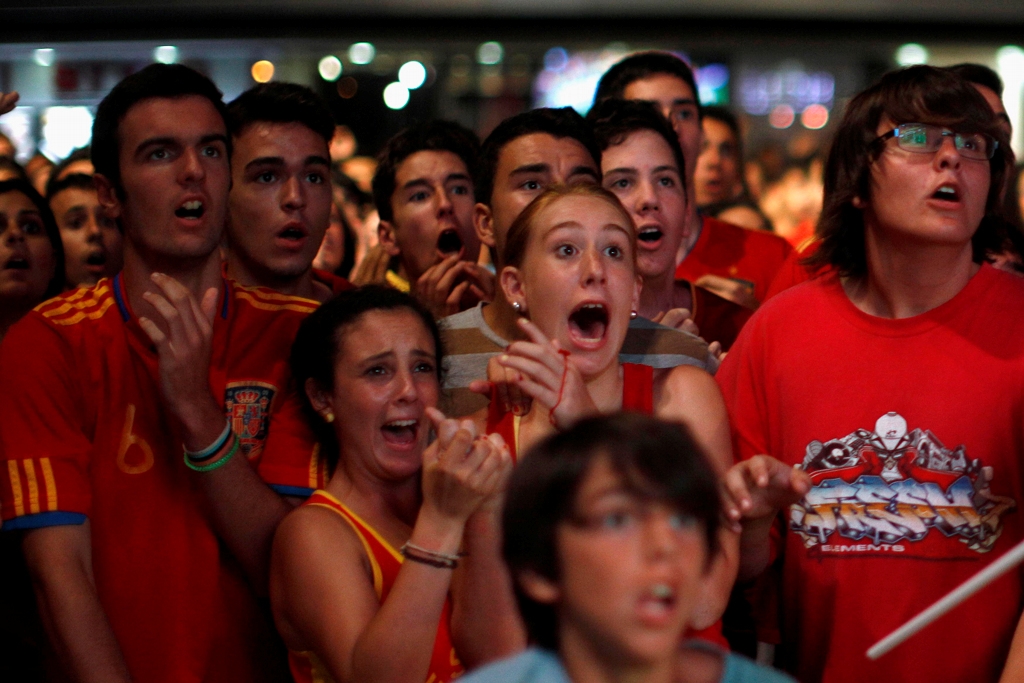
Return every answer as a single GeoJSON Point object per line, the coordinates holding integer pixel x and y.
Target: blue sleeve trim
{"type": "Point", "coordinates": [296, 491]}
{"type": "Point", "coordinates": [44, 519]}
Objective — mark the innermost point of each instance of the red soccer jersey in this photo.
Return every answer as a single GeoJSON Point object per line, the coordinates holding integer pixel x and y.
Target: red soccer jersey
{"type": "Point", "coordinates": [913, 433]}
{"type": "Point", "coordinates": [717, 319]}
{"type": "Point", "coordinates": [751, 257]}
{"type": "Point", "coordinates": [84, 435]}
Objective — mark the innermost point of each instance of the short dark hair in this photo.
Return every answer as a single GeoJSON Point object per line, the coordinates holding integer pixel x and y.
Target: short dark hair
{"type": "Point", "coordinates": [917, 94]}
{"type": "Point", "coordinates": [280, 103]}
{"type": "Point", "coordinates": [80, 181]}
{"type": "Point", "coordinates": [643, 65]}
{"type": "Point", "coordinates": [318, 341]}
{"type": "Point", "coordinates": [9, 164]}
{"type": "Point", "coordinates": [80, 154]}
{"type": "Point", "coordinates": [442, 136]}
{"type": "Point", "coordinates": [978, 74]}
{"type": "Point", "coordinates": [614, 120]}
{"type": "Point", "coordinates": [56, 285]}
{"type": "Point", "coordinates": [656, 460]}
{"type": "Point", "coordinates": [558, 123]}
{"type": "Point", "coordinates": [155, 81]}
{"type": "Point", "coordinates": [723, 115]}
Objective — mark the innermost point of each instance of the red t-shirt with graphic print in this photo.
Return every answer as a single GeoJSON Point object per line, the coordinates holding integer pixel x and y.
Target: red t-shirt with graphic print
{"type": "Point", "coordinates": [84, 435]}
{"type": "Point", "coordinates": [913, 433]}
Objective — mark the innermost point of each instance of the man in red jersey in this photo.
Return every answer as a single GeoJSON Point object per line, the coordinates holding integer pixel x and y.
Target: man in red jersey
{"type": "Point", "coordinates": [148, 563]}
{"type": "Point", "coordinates": [280, 201]}
{"type": "Point", "coordinates": [892, 383]}
{"type": "Point", "coordinates": [737, 263]}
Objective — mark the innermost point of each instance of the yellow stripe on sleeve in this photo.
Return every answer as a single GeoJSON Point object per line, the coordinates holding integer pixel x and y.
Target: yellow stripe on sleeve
{"type": "Point", "coordinates": [33, 486]}
{"type": "Point", "coordinates": [19, 501]}
{"type": "Point", "coordinates": [51, 484]}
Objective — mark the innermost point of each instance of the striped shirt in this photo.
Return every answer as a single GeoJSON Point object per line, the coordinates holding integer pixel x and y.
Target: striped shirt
{"type": "Point", "coordinates": [469, 343]}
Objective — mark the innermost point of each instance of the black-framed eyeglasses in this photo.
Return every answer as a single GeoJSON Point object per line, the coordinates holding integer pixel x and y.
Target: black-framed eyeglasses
{"type": "Point", "coordinates": [924, 138]}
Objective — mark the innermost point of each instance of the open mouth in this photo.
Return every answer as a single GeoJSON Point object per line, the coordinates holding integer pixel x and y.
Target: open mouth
{"type": "Point", "coordinates": [658, 601]}
{"type": "Point", "coordinates": [293, 233]}
{"type": "Point", "coordinates": [947, 193]}
{"type": "Point", "coordinates": [449, 242]}
{"type": "Point", "coordinates": [650, 234]}
{"type": "Point", "coordinates": [98, 259]}
{"type": "Point", "coordinates": [192, 210]}
{"type": "Point", "coordinates": [16, 263]}
{"type": "Point", "coordinates": [400, 432]}
{"type": "Point", "coordinates": [589, 322]}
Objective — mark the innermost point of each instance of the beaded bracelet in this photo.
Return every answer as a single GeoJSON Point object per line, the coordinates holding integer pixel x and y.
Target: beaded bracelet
{"type": "Point", "coordinates": [219, 462]}
{"type": "Point", "coordinates": [212, 449]}
{"type": "Point", "coordinates": [428, 557]}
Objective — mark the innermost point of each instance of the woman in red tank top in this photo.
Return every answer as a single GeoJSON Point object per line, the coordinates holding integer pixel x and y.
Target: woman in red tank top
{"type": "Point", "coordinates": [361, 573]}
{"type": "Point", "coordinates": [571, 273]}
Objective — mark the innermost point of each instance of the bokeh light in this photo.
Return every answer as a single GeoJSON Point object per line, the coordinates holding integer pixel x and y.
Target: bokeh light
{"type": "Point", "coordinates": [782, 116]}
{"type": "Point", "coordinates": [362, 53]}
{"type": "Point", "coordinates": [329, 68]}
{"type": "Point", "coordinates": [165, 54]}
{"type": "Point", "coordinates": [396, 96]}
{"type": "Point", "coordinates": [815, 116]}
{"type": "Point", "coordinates": [490, 53]}
{"type": "Point", "coordinates": [412, 75]}
{"type": "Point", "coordinates": [911, 54]}
{"type": "Point", "coordinates": [44, 56]}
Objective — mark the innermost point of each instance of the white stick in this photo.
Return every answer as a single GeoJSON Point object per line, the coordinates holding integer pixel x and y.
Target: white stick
{"type": "Point", "coordinates": [1008, 561]}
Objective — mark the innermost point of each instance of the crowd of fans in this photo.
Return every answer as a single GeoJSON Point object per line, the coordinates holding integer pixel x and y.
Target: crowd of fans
{"type": "Point", "coordinates": [592, 399]}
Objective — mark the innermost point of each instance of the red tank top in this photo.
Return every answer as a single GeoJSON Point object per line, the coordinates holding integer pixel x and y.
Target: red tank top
{"type": "Point", "coordinates": [638, 396]}
{"type": "Point", "coordinates": [385, 562]}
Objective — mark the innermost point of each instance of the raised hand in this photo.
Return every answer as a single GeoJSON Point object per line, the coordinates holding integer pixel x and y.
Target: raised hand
{"type": "Point", "coordinates": [452, 285]}
{"type": "Point", "coordinates": [756, 489]}
{"type": "Point", "coordinates": [504, 382]}
{"type": "Point", "coordinates": [550, 376]}
{"type": "Point", "coordinates": [7, 101]}
{"type": "Point", "coordinates": [184, 349]}
{"type": "Point", "coordinates": [678, 319]}
{"type": "Point", "coordinates": [462, 470]}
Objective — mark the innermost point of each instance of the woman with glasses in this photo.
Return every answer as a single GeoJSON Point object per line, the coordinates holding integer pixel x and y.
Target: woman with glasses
{"type": "Point", "coordinates": [893, 383]}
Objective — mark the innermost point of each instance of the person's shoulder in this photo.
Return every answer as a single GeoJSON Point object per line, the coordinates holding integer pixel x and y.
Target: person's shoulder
{"type": "Point", "coordinates": [532, 666]}
{"type": "Point", "coordinates": [335, 283]}
{"type": "Point", "coordinates": [79, 306]}
{"type": "Point", "coordinates": [648, 343]}
{"type": "Point", "coordinates": [471, 317]}
{"type": "Point", "coordinates": [739, 669]}
{"type": "Point", "coordinates": [261, 301]}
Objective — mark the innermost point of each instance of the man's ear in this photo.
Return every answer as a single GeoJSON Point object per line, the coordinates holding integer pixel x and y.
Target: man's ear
{"type": "Point", "coordinates": [386, 236]}
{"type": "Point", "coordinates": [539, 588]}
{"type": "Point", "coordinates": [321, 401]}
{"type": "Point", "coordinates": [107, 195]}
{"type": "Point", "coordinates": [483, 223]}
{"type": "Point", "coordinates": [511, 279]}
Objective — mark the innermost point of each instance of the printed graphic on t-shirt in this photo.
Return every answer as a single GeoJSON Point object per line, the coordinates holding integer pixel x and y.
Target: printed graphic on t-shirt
{"type": "Point", "coordinates": [890, 491]}
{"type": "Point", "coordinates": [248, 407]}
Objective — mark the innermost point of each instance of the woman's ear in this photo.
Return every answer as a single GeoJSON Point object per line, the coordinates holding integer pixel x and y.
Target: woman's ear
{"type": "Point", "coordinates": [322, 402]}
{"type": "Point", "coordinates": [512, 285]}
{"type": "Point", "coordinates": [539, 588]}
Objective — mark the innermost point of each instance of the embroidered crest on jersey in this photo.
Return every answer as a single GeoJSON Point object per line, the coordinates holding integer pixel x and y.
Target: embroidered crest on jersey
{"type": "Point", "coordinates": [874, 489]}
{"type": "Point", "coordinates": [248, 407]}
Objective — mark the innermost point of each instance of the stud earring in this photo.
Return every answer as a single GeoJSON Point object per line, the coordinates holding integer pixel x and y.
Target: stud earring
{"type": "Point", "coordinates": [517, 306]}
{"type": "Point", "coordinates": [633, 315]}
{"type": "Point", "coordinates": [328, 417]}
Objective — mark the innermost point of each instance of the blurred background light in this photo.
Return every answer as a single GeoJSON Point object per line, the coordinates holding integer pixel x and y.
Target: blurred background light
{"type": "Point", "coordinates": [556, 59]}
{"type": "Point", "coordinates": [911, 54]}
{"type": "Point", "coordinates": [782, 116]}
{"type": "Point", "coordinates": [262, 71]}
{"type": "Point", "coordinates": [412, 75]}
{"type": "Point", "coordinates": [44, 56]}
{"type": "Point", "coordinates": [490, 53]}
{"type": "Point", "coordinates": [165, 54]}
{"type": "Point", "coordinates": [396, 96]}
{"type": "Point", "coordinates": [347, 87]}
{"type": "Point", "coordinates": [815, 116]}
{"type": "Point", "coordinates": [1010, 65]}
{"type": "Point", "coordinates": [329, 68]}
{"type": "Point", "coordinates": [64, 130]}
{"type": "Point", "coordinates": [361, 53]}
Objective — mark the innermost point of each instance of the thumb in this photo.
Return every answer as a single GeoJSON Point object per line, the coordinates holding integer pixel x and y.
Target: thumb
{"type": "Point", "coordinates": [209, 304]}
